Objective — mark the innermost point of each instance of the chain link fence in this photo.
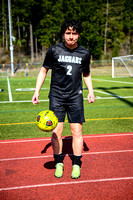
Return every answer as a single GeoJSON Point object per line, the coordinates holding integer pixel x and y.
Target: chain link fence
{"type": "Point", "coordinates": [98, 67]}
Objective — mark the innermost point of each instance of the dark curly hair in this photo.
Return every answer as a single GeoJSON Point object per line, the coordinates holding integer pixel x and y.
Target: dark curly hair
{"type": "Point", "coordinates": [71, 23]}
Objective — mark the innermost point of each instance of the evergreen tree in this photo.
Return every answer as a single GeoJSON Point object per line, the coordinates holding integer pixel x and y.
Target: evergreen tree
{"type": "Point", "coordinates": [108, 25]}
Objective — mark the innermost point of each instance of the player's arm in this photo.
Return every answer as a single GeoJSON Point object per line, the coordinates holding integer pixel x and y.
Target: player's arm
{"type": "Point", "coordinates": [40, 79]}
{"type": "Point", "coordinates": [88, 83]}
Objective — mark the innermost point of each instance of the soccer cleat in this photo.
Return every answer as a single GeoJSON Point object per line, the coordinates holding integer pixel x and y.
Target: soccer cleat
{"type": "Point", "coordinates": [76, 171]}
{"type": "Point", "coordinates": [59, 170]}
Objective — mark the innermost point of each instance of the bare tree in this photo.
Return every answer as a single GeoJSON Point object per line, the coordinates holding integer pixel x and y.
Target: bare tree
{"type": "Point", "coordinates": [106, 28]}
{"type": "Point", "coordinates": [36, 46]}
{"type": "Point", "coordinates": [4, 27]}
{"type": "Point", "coordinates": [31, 43]}
{"type": "Point", "coordinates": [19, 34]}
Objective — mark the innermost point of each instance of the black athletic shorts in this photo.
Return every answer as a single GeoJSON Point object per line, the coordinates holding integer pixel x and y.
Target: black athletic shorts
{"type": "Point", "coordinates": [72, 107]}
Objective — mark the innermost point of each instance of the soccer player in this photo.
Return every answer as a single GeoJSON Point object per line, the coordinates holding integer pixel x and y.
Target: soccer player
{"type": "Point", "coordinates": [68, 61]}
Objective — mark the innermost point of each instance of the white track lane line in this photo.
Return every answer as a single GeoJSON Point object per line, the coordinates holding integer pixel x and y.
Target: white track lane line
{"type": "Point", "coordinates": [67, 137]}
{"type": "Point", "coordinates": [49, 156]}
{"type": "Point", "coordinates": [77, 182]}
{"type": "Point", "coordinates": [67, 183]}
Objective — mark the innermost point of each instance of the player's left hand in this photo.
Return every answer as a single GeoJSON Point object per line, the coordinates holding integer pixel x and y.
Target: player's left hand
{"type": "Point", "coordinates": [35, 98]}
{"type": "Point", "coordinates": [91, 98]}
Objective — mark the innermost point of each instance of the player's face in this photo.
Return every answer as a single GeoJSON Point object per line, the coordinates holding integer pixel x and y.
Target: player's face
{"type": "Point", "coordinates": [71, 38]}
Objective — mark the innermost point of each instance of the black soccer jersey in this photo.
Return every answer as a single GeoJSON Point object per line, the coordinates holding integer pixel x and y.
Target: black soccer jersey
{"type": "Point", "coordinates": [67, 68]}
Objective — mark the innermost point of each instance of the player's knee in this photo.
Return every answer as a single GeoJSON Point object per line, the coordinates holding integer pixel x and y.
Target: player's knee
{"type": "Point", "coordinates": [77, 133]}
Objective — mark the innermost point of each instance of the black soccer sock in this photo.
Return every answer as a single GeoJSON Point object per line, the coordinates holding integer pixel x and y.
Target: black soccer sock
{"type": "Point", "coordinates": [77, 160]}
{"type": "Point", "coordinates": [58, 158]}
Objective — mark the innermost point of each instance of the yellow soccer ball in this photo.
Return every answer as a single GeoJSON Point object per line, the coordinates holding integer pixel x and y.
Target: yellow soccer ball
{"type": "Point", "coordinates": [47, 120]}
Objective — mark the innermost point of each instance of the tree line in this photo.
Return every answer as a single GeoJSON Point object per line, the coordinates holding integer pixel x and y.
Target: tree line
{"type": "Point", "coordinates": [36, 25]}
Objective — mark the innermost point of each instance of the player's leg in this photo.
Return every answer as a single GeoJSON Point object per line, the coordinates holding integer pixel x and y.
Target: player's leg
{"type": "Point", "coordinates": [57, 138]}
{"type": "Point", "coordinates": [58, 108]}
{"type": "Point", "coordinates": [75, 114]}
{"type": "Point", "coordinates": [77, 144]}
{"type": "Point", "coordinates": [57, 149]}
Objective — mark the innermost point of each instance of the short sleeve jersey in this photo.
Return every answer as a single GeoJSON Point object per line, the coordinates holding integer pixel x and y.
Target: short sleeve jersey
{"type": "Point", "coordinates": [67, 68]}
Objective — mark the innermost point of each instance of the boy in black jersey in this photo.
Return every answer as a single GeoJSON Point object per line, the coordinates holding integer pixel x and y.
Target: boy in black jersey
{"type": "Point", "coordinates": [68, 62]}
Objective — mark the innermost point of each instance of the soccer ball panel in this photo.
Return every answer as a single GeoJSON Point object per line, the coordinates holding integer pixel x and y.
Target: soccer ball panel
{"type": "Point", "coordinates": [47, 120]}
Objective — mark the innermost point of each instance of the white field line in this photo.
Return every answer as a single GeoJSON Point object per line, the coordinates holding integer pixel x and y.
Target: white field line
{"type": "Point", "coordinates": [97, 98]}
{"type": "Point", "coordinates": [114, 97]}
{"type": "Point", "coordinates": [10, 100]}
{"type": "Point", "coordinates": [9, 90]}
{"type": "Point", "coordinates": [49, 139]}
{"type": "Point", "coordinates": [49, 156]}
{"type": "Point", "coordinates": [29, 89]}
{"type": "Point", "coordinates": [67, 183]}
{"type": "Point", "coordinates": [108, 93]}
{"type": "Point", "coordinates": [112, 81]}
{"type": "Point", "coordinates": [102, 92]}
{"type": "Point", "coordinates": [25, 101]}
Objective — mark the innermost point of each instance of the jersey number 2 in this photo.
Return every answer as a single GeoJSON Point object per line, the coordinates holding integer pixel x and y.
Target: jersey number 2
{"type": "Point", "coordinates": [69, 70]}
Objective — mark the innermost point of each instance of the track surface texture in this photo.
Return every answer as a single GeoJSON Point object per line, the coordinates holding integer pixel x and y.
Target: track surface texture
{"type": "Point", "coordinates": [27, 169]}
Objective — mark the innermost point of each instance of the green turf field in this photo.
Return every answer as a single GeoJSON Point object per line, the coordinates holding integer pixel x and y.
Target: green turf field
{"type": "Point", "coordinates": [112, 111]}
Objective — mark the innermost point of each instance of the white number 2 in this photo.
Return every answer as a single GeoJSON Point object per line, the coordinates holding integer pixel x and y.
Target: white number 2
{"type": "Point", "coordinates": [69, 68]}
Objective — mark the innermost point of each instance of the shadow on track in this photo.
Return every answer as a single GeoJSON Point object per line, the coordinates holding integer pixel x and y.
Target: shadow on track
{"type": "Point", "coordinates": [67, 149]}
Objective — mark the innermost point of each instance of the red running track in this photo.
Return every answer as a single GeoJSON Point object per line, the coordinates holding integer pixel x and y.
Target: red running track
{"type": "Point", "coordinates": [27, 169]}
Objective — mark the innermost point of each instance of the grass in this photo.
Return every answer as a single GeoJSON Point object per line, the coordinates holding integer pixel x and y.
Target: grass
{"type": "Point", "coordinates": [112, 111]}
